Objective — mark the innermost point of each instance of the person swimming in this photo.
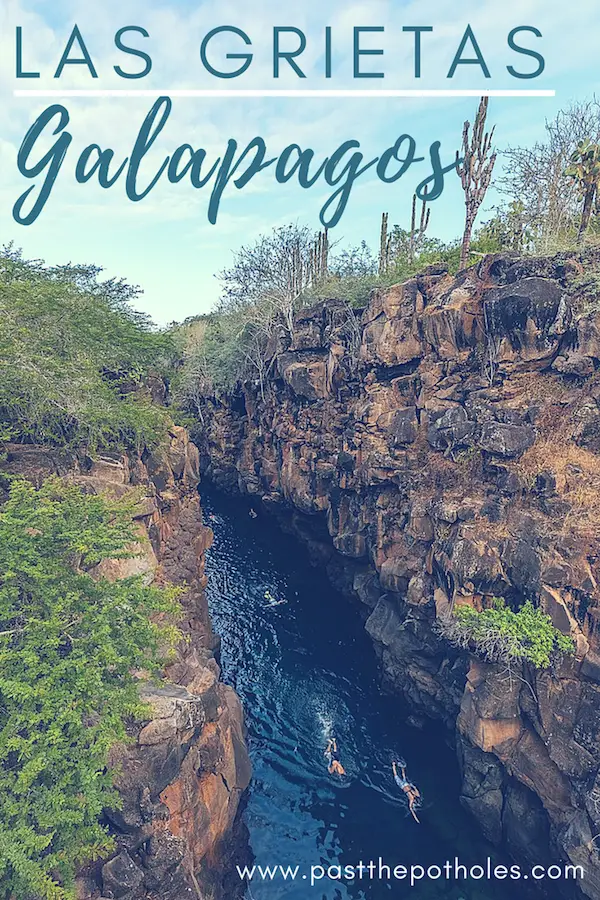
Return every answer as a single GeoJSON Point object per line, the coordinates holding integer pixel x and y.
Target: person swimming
{"type": "Point", "coordinates": [272, 601]}
{"type": "Point", "coordinates": [334, 766]}
{"type": "Point", "coordinates": [253, 514]}
{"type": "Point", "coordinates": [413, 795]}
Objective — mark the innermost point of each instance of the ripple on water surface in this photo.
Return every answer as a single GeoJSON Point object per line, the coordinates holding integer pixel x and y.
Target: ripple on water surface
{"type": "Point", "coordinates": [305, 670]}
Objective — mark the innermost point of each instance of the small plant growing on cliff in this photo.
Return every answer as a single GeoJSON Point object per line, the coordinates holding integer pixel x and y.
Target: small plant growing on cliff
{"type": "Point", "coordinates": [68, 645]}
{"type": "Point", "coordinates": [501, 635]}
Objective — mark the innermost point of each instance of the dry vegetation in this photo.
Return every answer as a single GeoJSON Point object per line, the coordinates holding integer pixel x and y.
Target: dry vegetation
{"type": "Point", "coordinates": [576, 471]}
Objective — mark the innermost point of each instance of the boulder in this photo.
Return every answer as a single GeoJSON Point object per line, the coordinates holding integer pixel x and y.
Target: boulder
{"type": "Point", "coordinates": [507, 441]}
{"type": "Point", "coordinates": [307, 379]}
{"type": "Point", "coordinates": [390, 326]}
{"type": "Point", "coordinates": [526, 318]}
{"type": "Point", "coordinates": [451, 428]}
{"type": "Point", "coordinates": [394, 575]}
{"type": "Point", "coordinates": [120, 875]}
{"type": "Point", "coordinates": [403, 426]}
{"type": "Point", "coordinates": [482, 788]}
{"type": "Point", "coordinates": [583, 356]}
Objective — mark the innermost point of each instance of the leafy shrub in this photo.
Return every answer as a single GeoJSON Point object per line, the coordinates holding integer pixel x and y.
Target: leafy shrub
{"type": "Point", "coordinates": [499, 634]}
{"type": "Point", "coordinates": [74, 355]}
{"type": "Point", "coordinates": [68, 645]}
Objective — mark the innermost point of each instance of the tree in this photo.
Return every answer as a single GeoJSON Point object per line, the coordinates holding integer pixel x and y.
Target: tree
{"type": "Point", "coordinates": [274, 271]}
{"type": "Point", "coordinates": [506, 230]}
{"type": "Point", "coordinates": [355, 261]}
{"type": "Point", "coordinates": [262, 291]}
{"type": "Point", "coordinates": [270, 281]}
{"type": "Point", "coordinates": [69, 643]}
{"type": "Point", "coordinates": [74, 356]}
{"type": "Point", "coordinates": [475, 171]}
{"type": "Point", "coordinates": [535, 177]}
{"type": "Point", "coordinates": [191, 384]}
{"type": "Point", "coordinates": [584, 170]}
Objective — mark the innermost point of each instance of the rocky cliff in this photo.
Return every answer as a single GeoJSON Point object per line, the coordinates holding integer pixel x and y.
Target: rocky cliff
{"type": "Point", "coordinates": [448, 436]}
{"type": "Point", "coordinates": [182, 776]}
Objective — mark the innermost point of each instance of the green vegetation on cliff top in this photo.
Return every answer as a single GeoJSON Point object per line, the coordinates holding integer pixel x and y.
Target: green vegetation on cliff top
{"type": "Point", "coordinates": [550, 202]}
{"type": "Point", "coordinates": [74, 356]}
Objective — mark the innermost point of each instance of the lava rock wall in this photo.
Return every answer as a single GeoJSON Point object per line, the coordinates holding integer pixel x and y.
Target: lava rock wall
{"type": "Point", "coordinates": [448, 436]}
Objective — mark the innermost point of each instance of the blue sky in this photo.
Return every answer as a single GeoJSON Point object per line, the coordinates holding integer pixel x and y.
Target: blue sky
{"type": "Point", "coordinates": [165, 243]}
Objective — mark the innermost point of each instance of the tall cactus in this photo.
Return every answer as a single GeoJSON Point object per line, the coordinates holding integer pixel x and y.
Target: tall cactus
{"type": "Point", "coordinates": [296, 274]}
{"type": "Point", "coordinates": [319, 258]}
{"type": "Point", "coordinates": [417, 233]}
{"type": "Point", "coordinates": [385, 245]}
{"type": "Point", "coordinates": [475, 172]}
{"type": "Point", "coordinates": [388, 240]}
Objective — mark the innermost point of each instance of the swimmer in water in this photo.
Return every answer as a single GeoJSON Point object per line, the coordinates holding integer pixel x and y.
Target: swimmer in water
{"type": "Point", "coordinates": [334, 766]}
{"type": "Point", "coordinates": [412, 792]}
{"type": "Point", "coordinates": [252, 514]}
{"type": "Point", "coordinates": [272, 601]}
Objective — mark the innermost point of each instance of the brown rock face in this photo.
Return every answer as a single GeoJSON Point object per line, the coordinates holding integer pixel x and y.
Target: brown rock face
{"type": "Point", "coordinates": [182, 778]}
{"type": "Point", "coordinates": [448, 437]}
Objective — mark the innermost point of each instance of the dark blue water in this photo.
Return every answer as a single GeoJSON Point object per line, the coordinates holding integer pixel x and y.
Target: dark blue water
{"type": "Point", "coordinates": [306, 670]}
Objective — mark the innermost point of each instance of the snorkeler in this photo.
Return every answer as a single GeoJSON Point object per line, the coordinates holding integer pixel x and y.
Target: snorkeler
{"type": "Point", "coordinates": [412, 792]}
{"type": "Point", "coordinates": [272, 601]}
{"type": "Point", "coordinates": [334, 766]}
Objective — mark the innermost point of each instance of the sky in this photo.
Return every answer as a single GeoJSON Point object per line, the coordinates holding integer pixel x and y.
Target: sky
{"type": "Point", "coordinates": [165, 242]}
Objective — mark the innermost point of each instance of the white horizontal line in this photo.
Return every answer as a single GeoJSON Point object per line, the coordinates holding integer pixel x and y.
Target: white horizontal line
{"type": "Point", "coordinates": [282, 93]}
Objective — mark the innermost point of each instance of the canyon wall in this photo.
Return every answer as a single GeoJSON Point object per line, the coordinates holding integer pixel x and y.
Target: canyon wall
{"type": "Point", "coordinates": [442, 446]}
{"type": "Point", "coordinates": [183, 774]}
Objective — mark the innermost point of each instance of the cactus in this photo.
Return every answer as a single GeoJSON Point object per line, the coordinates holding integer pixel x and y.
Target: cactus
{"type": "Point", "coordinates": [475, 172]}
{"type": "Point", "coordinates": [584, 170]}
{"type": "Point", "coordinates": [319, 258]}
{"type": "Point", "coordinates": [417, 233]}
{"type": "Point", "coordinates": [385, 245]}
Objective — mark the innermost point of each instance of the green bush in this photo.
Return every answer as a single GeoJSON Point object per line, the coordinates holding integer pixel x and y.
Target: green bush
{"type": "Point", "coordinates": [74, 355]}
{"type": "Point", "coordinates": [501, 635]}
{"type": "Point", "coordinates": [68, 645]}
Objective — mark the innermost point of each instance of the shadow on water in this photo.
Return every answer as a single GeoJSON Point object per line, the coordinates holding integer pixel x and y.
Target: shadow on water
{"type": "Point", "coordinates": [305, 670]}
